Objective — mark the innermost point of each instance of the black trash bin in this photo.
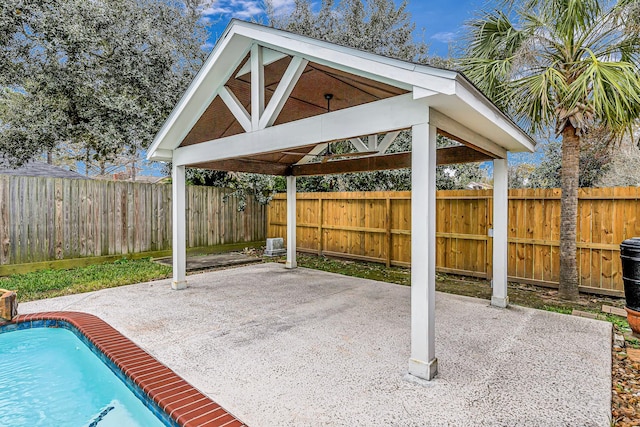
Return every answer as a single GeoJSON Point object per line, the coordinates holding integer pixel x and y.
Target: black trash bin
{"type": "Point", "coordinates": [630, 256]}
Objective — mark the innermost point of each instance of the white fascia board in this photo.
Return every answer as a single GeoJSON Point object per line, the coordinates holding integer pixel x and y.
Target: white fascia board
{"type": "Point", "coordinates": [390, 71]}
{"type": "Point", "coordinates": [398, 112]}
{"type": "Point", "coordinates": [226, 56]}
{"type": "Point", "coordinates": [455, 128]}
{"type": "Point", "coordinates": [161, 155]}
{"type": "Point", "coordinates": [419, 92]}
{"type": "Point", "coordinates": [469, 94]}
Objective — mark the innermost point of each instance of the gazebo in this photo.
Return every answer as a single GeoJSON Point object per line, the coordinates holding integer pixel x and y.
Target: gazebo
{"type": "Point", "coordinates": [271, 102]}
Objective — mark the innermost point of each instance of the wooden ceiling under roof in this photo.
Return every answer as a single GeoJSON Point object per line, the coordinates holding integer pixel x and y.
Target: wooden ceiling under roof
{"type": "Point", "coordinates": [306, 100]}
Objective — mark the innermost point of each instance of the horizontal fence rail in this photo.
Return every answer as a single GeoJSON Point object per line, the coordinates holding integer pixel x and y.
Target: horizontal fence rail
{"type": "Point", "coordinates": [376, 226]}
{"type": "Point", "coordinates": [43, 219]}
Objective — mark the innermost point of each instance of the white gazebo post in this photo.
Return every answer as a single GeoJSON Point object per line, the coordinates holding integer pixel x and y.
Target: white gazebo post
{"type": "Point", "coordinates": [179, 248]}
{"type": "Point", "coordinates": [291, 222]}
{"type": "Point", "coordinates": [423, 362]}
{"type": "Point", "coordinates": [499, 297]}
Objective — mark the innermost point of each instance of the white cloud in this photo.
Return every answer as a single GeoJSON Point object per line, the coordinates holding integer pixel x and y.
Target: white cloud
{"type": "Point", "coordinates": [245, 9]}
{"type": "Point", "coordinates": [207, 46]}
{"type": "Point", "coordinates": [217, 9]}
{"type": "Point", "coordinates": [444, 37]}
{"type": "Point", "coordinates": [242, 9]}
{"type": "Point", "coordinates": [282, 6]}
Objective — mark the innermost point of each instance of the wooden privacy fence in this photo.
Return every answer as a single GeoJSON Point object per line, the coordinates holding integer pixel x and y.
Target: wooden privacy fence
{"type": "Point", "coordinates": [376, 227]}
{"type": "Point", "coordinates": [44, 219]}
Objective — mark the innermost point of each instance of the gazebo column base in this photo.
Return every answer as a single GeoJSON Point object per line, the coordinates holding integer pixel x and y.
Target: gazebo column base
{"type": "Point", "coordinates": [178, 286]}
{"type": "Point", "coordinates": [424, 370]}
{"type": "Point", "coordinates": [500, 302]}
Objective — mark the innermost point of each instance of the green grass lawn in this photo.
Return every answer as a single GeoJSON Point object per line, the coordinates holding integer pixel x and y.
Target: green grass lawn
{"type": "Point", "coordinates": [51, 283]}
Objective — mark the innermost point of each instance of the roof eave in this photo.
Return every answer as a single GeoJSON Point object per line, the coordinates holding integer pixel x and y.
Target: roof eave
{"type": "Point", "coordinates": [188, 93]}
{"type": "Point", "coordinates": [505, 122]}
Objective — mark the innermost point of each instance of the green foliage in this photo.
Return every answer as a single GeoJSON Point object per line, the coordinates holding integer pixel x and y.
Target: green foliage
{"type": "Point", "coordinates": [243, 185]}
{"type": "Point", "coordinates": [594, 164]}
{"type": "Point", "coordinates": [377, 26]}
{"type": "Point", "coordinates": [94, 78]}
{"type": "Point", "coordinates": [50, 283]}
{"type": "Point", "coordinates": [564, 65]}
{"type": "Point", "coordinates": [624, 168]}
{"type": "Point", "coordinates": [557, 309]}
{"type": "Point", "coordinates": [559, 63]}
{"type": "Point", "coordinates": [620, 322]}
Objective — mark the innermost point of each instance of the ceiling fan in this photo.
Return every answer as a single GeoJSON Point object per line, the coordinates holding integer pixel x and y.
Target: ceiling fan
{"type": "Point", "coordinates": [328, 154]}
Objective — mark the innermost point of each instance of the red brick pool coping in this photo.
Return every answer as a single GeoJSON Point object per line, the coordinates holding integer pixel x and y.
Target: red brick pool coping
{"type": "Point", "coordinates": [185, 404]}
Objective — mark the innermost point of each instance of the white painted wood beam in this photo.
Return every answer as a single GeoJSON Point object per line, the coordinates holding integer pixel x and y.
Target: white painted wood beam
{"type": "Point", "coordinates": [360, 146]}
{"type": "Point", "coordinates": [460, 131]}
{"type": "Point", "coordinates": [269, 56]}
{"type": "Point", "coordinates": [423, 363]}
{"type": "Point", "coordinates": [386, 142]}
{"type": "Point", "coordinates": [398, 112]}
{"type": "Point", "coordinates": [179, 247]}
{"type": "Point", "coordinates": [372, 142]}
{"type": "Point", "coordinates": [318, 149]}
{"type": "Point", "coordinates": [500, 297]}
{"type": "Point", "coordinates": [291, 222]}
{"type": "Point", "coordinates": [236, 108]}
{"type": "Point", "coordinates": [257, 85]}
{"type": "Point", "coordinates": [282, 92]}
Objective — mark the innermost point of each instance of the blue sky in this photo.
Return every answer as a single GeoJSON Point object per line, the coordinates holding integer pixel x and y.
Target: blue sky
{"type": "Point", "coordinates": [439, 23]}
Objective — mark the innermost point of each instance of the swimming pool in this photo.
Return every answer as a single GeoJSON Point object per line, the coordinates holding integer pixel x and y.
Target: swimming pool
{"type": "Point", "coordinates": [51, 378]}
{"type": "Point", "coordinates": [166, 395]}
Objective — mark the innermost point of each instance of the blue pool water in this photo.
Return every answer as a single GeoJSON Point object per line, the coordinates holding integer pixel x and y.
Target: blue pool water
{"type": "Point", "coordinates": [48, 377]}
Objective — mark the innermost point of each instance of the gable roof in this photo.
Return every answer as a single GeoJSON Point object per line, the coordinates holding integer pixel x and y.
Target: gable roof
{"type": "Point", "coordinates": [40, 169]}
{"type": "Point", "coordinates": [450, 92]}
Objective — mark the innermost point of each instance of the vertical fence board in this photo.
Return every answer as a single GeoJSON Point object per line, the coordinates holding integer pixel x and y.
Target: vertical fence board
{"type": "Point", "coordinates": [5, 237]}
{"type": "Point", "coordinates": [45, 219]}
{"type": "Point", "coordinates": [354, 225]}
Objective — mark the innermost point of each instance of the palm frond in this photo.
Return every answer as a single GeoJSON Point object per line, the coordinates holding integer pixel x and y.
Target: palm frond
{"type": "Point", "coordinates": [534, 97]}
{"type": "Point", "coordinates": [611, 89]}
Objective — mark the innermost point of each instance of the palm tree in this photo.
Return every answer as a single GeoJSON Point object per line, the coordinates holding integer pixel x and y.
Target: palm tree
{"type": "Point", "coordinates": [568, 65]}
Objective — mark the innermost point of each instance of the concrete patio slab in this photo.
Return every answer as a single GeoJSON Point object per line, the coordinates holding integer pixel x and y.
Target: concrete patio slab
{"type": "Point", "coordinates": [205, 262]}
{"type": "Point", "coordinates": [301, 347]}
